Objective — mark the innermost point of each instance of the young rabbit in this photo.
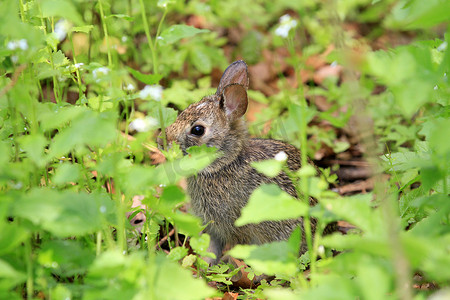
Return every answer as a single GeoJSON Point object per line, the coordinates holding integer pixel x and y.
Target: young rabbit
{"type": "Point", "coordinates": [221, 190]}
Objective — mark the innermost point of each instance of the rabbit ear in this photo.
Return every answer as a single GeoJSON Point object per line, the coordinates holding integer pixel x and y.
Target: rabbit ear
{"type": "Point", "coordinates": [235, 101]}
{"type": "Point", "coordinates": [236, 73]}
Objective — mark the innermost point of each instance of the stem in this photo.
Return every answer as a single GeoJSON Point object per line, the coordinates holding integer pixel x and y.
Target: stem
{"type": "Point", "coordinates": [99, 243]}
{"type": "Point", "coordinates": [149, 38]}
{"type": "Point", "coordinates": [50, 52]}
{"type": "Point", "coordinates": [163, 128]}
{"type": "Point", "coordinates": [304, 181]}
{"type": "Point", "coordinates": [22, 11]}
{"type": "Point", "coordinates": [105, 31]}
{"type": "Point", "coordinates": [29, 264]}
{"type": "Point", "coordinates": [159, 27]}
{"type": "Point", "coordinates": [80, 90]}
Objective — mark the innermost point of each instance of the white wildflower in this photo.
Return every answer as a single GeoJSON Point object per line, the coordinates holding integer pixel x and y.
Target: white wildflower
{"type": "Point", "coordinates": [99, 72]}
{"type": "Point", "coordinates": [442, 47]}
{"type": "Point", "coordinates": [20, 44]}
{"type": "Point", "coordinates": [61, 29]}
{"type": "Point", "coordinates": [286, 24]}
{"type": "Point", "coordinates": [124, 39]}
{"type": "Point", "coordinates": [78, 65]}
{"type": "Point", "coordinates": [281, 156]}
{"type": "Point", "coordinates": [321, 250]}
{"type": "Point", "coordinates": [143, 124]}
{"type": "Point", "coordinates": [11, 45]}
{"type": "Point", "coordinates": [14, 58]}
{"type": "Point", "coordinates": [23, 44]}
{"type": "Point", "coordinates": [129, 87]}
{"type": "Point", "coordinates": [151, 91]}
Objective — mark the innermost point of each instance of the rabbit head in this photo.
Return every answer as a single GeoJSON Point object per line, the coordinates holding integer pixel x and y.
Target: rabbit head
{"type": "Point", "coordinates": [216, 120]}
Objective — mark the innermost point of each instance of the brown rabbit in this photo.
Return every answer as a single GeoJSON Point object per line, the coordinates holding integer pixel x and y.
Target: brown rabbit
{"type": "Point", "coordinates": [221, 190]}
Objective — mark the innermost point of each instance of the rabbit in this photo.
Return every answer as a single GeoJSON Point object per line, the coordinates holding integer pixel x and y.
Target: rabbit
{"type": "Point", "coordinates": [221, 190]}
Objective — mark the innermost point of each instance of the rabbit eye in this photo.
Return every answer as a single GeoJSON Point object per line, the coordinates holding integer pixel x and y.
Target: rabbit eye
{"type": "Point", "coordinates": [198, 130]}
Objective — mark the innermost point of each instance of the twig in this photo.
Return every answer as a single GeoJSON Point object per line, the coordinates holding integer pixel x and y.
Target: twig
{"type": "Point", "coordinates": [161, 241]}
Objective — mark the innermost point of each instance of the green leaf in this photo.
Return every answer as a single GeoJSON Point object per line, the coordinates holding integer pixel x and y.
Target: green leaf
{"type": "Point", "coordinates": [201, 59]}
{"type": "Point", "coordinates": [358, 211]}
{"type": "Point", "coordinates": [12, 236]}
{"type": "Point", "coordinates": [89, 128]}
{"type": "Point", "coordinates": [177, 32]}
{"type": "Point", "coordinates": [269, 167]}
{"type": "Point", "coordinates": [185, 223]}
{"type": "Point", "coordinates": [171, 172]}
{"type": "Point", "coordinates": [53, 255]}
{"type": "Point", "coordinates": [269, 203]}
{"type": "Point", "coordinates": [170, 275]}
{"type": "Point", "coordinates": [64, 213]}
{"type": "Point", "coordinates": [270, 259]}
{"type": "Point", "coordinates": [34, 146]}
{"type": "Point", "coordinates": [67, 173]}
{"type": "Point", "coordinates": [189, 260]}
{"type": "Point", "coordinates": [121, 16]}
{"type": "Point", "coordinates": [177, 253]}
{"type": "Point", "coordinates": [61, 8]}
{"type": "Point", "coordinates": [171, 197]}
{"type": "Point", "coordinates": [149, 79]}
{"type": "Point", "coordinates": [418, 14]}
{"type": "Point", "coordinates": [85, 28]}
{"type": "Point", "coordinates": [10, 277]}
{"type": "Point", "coordinates": [200, 244]}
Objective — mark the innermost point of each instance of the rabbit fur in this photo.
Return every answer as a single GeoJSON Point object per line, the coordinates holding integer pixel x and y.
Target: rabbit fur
{"type": "Point", "coordinates": [221, 190]}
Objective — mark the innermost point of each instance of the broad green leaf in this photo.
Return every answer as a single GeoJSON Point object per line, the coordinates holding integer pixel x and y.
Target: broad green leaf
{"type": "Point", "coordinates": [269, 203]}
{"type": "Point", "coordinates": [371, 245]}
{"type": "Point", "coordinates": [34, 146]}
{"type": "Point", "coordinates": [201, 59]}
{"type": "Point", "coordinates": [61, 8]}
{"type": "Point", "coordinates": [64, 213]}
{"type": "Point", "coordinates": [177, 32]}
{"type": "Point", "coordinates": [54, 256]}
{"type": "Point", "coordinates": [171, 197]}
{"type": "Point", "coordinates": [170, 275]}
{"type": "Point", "coordinates": [149, 79]}
{"type": "Point", "coordinates": [12, 236]}
{"type": "Point", "coordinates": [358, 211]}
{"type": "Point", "coordinates": [189, 260]}
{"type": "Point", "coordinates": [269, 167]}
{"type": "Point", "coordinates": [60, 291]}
{"type": "Point", "coordinates": [185, 223]}
{"type": "Point", "coordinates": [9, 277]}
{"type": "Point", "coordinates": [270, 259]}
{"type": "Point", "coordinates": [177, 253]}
{"type": "Point", "coordinates": [200, 244]}
{"type": "Point", "coordinates": [89, 128]}
{"type": "Point", "coordinates": [331, 285]}
{"type": "Point", "coordinates": [67, 173]}
{"type": "Point", "coordinates": [373, 280]}
{"type": "Point", "coordinates": [197, 159]}
{"type": "Point", "coordinates": [53, 116]}
{"type": "Point", "coordinates": [418, 14]}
